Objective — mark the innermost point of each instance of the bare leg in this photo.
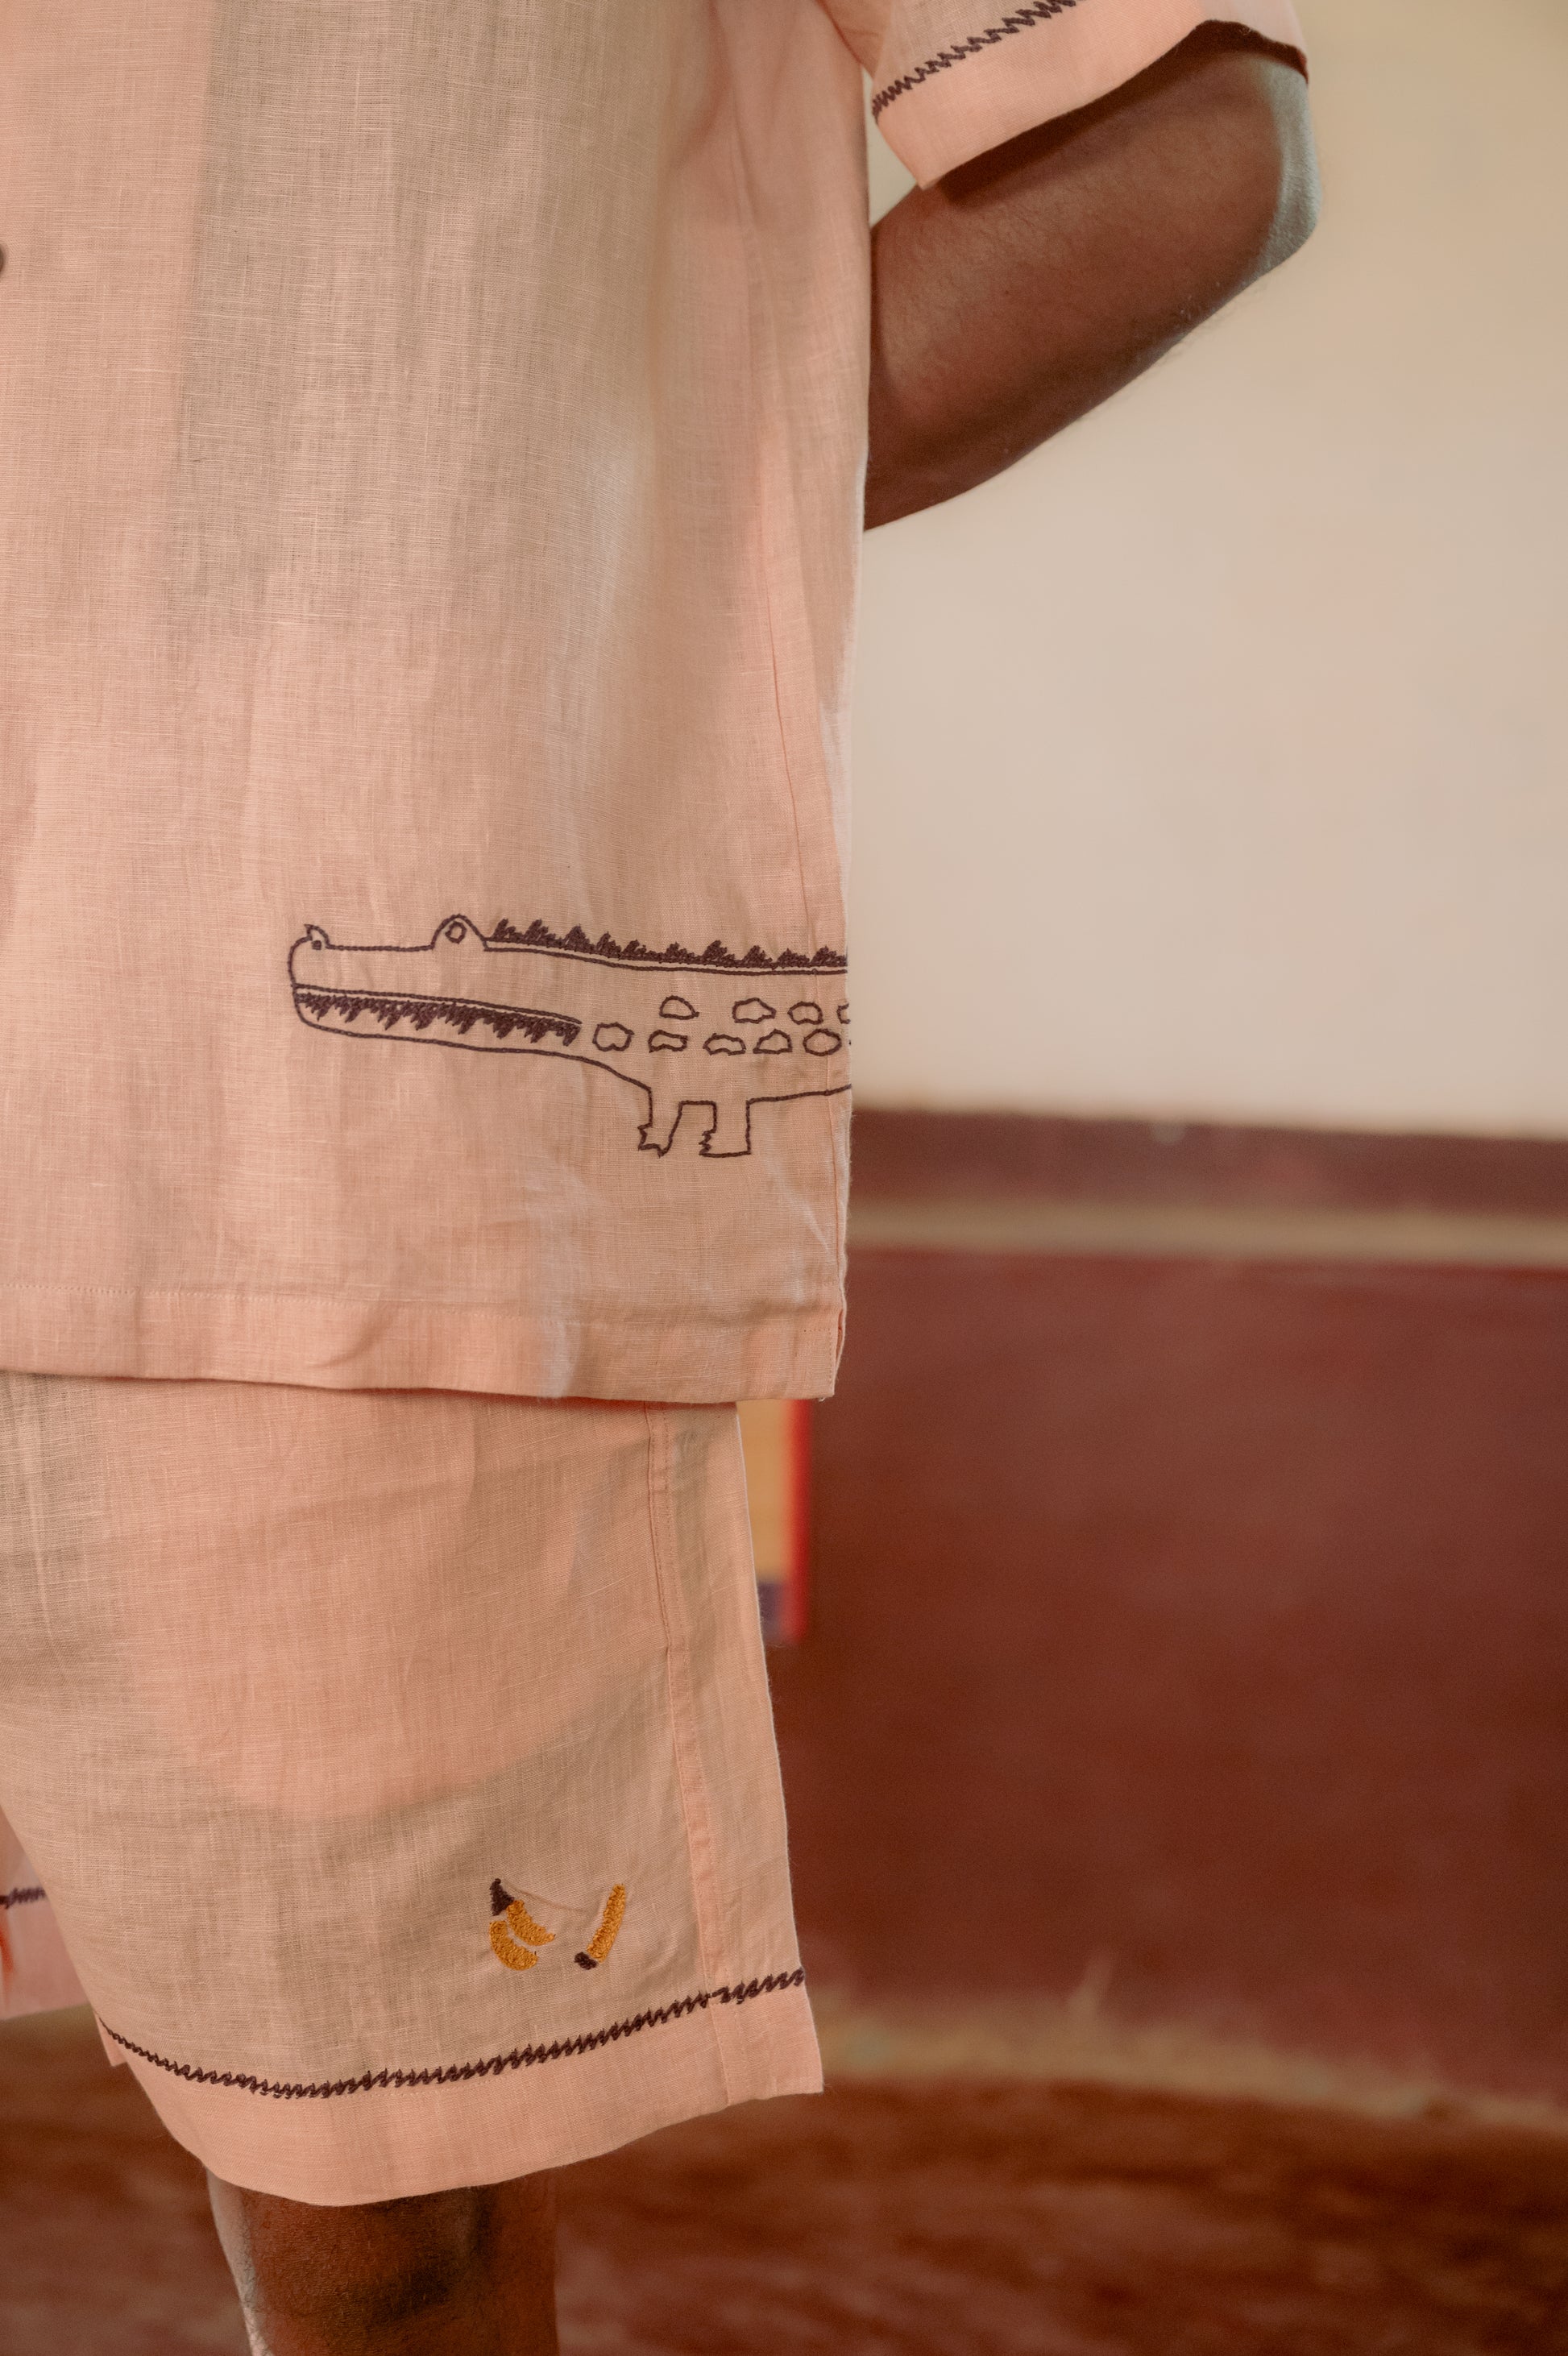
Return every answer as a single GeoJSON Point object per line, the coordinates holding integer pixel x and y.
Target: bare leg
{"type": "Point", "coordinates": [442, 2275]}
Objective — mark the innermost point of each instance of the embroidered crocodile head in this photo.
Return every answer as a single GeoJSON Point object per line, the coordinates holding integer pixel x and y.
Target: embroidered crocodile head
{"type": "Point", "coordinates": [672, 1024]}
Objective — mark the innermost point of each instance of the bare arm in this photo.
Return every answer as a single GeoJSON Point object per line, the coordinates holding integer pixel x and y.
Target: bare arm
{"type": "Point", "coordinates": [1031, 284]}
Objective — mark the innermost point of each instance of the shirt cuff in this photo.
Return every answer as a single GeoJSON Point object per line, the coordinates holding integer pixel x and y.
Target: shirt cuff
{"type": "Point", "coordinates": [1036, 60]}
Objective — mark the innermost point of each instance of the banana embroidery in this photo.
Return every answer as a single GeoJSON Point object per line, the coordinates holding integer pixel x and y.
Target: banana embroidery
{"type": "Point", "coordinates": [507, 1952]}
{"type": "Point", "coordinates": [604, 1938]}
{"type": "Point", "coordinates": [523, 1924]}
{"type": "Point", "coordinates": [516, 1936]}
{"type": "Point", "coordinates": [507, 1949]}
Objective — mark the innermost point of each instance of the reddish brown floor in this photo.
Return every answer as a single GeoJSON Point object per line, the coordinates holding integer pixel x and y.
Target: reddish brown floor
{"type": "Point", "coordinates": [1204, 1625]}
{"type": "Point", "coordinates": [1051, 2222]}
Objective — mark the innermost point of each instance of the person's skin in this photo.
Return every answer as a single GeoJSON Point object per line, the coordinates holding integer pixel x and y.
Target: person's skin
{"type": "Point", "coordinates": [442, 2275]}
{"type": "Point", "coordinates": [1017, 294]}
{"type": "Point", "coordinates": [1027, 286]}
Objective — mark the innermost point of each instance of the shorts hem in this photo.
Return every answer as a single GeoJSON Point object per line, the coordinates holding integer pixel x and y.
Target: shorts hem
{"type": "Point", "coordinates": [396, 2135]}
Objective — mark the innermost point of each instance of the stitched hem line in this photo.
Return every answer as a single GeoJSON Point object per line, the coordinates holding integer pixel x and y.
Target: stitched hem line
{"type": "Point", "coordinates": [1033, 12]}
{"type": "Point", "coordinates": [524, 2057]}
{"type": "Point", "coordinates": [21, 1898]}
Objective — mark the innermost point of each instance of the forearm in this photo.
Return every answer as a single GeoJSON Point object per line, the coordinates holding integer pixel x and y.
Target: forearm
{"type": "Point", "coordinates": [1029, 285]}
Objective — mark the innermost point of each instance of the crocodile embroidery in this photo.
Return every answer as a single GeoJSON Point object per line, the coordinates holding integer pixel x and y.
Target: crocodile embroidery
{"type": "Point", "coordinates": [683, 1028]}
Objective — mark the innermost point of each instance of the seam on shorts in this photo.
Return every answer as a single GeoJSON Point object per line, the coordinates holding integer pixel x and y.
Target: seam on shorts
{"type": "Point", "coordinates": [496, 2065]}
{"type": "Point", "coordinates": [688, 1766]}
{"type": "Point", "coordinates": [1018, 20]}
{"type": "Point", "coordinates": [32, 1897]}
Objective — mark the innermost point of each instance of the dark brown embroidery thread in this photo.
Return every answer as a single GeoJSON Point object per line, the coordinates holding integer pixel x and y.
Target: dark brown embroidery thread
{"type": "Point", "coordinates": [466, 989]}
{"type": "Point", "coordinates": [1017, 20]}
{"type": "Point", "coordinates": [521, 2057]}
{"type": "Point", "coordinates": [462, 1014]}
{"type": "Point", "coordinates": [715, 958]}
{"type": "Point", "coordinates": [28, 1897]}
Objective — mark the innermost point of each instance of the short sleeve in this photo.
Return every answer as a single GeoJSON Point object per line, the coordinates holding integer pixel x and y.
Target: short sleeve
{"type": "Point", "coordinates": [952, 77]}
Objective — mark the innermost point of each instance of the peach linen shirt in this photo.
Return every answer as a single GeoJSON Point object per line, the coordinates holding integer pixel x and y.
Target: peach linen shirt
{"type": "Point", "coordinates": [431, 442]}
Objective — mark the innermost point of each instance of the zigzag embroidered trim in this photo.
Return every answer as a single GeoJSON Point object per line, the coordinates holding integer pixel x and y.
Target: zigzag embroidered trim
{"type": "Point", "coordinates": [524, 2057]}
{"type": "Point", "coordinates": [1019, 20]}
{"type": "Point", "coordinates": [21, 1898]}
{"type": "Point", "coordinates": [720, 959]}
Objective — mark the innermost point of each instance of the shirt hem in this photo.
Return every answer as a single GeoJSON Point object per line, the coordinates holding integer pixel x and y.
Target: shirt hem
{"type": "Point", "coordinates": [327, 1342]}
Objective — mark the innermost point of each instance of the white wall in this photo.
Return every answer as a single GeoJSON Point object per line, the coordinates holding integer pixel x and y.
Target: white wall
{"type": "Point", "coordinates": [1221, 744]}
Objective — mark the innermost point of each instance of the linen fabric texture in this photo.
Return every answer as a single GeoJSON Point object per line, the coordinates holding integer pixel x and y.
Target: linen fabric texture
{"type": "Point", "coordinates": [432, 448]}
{"type": "Point", "coordinates": [400, 1769]}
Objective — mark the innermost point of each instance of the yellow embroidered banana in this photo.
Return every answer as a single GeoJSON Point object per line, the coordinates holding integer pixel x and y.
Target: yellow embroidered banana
{"type": "Point", "coordinates": [512, 1926]}
{"type": "Point", "coordinates": [608, 1932]}
{"type": "Point", "coordinates": [515, 1936]}
{"type": "Point", "coordinates": [525, 1927]}
{"type": "Point", "coordinates": [507, 1952]}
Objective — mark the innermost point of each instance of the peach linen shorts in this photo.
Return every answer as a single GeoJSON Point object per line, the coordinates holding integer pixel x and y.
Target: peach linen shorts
{"type": "Point", "coordinates": [399, 1769]}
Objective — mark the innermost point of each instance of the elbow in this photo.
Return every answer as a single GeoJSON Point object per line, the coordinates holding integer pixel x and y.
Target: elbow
{"type": "Point", "coordinates": [1243, 165]}
{"type": "Point", "coordinates": [1298, 191]}
{"type": "Point", "coordinates": [1256, 193]}
{"type": "Point", "coordinates": [1283, 191]}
